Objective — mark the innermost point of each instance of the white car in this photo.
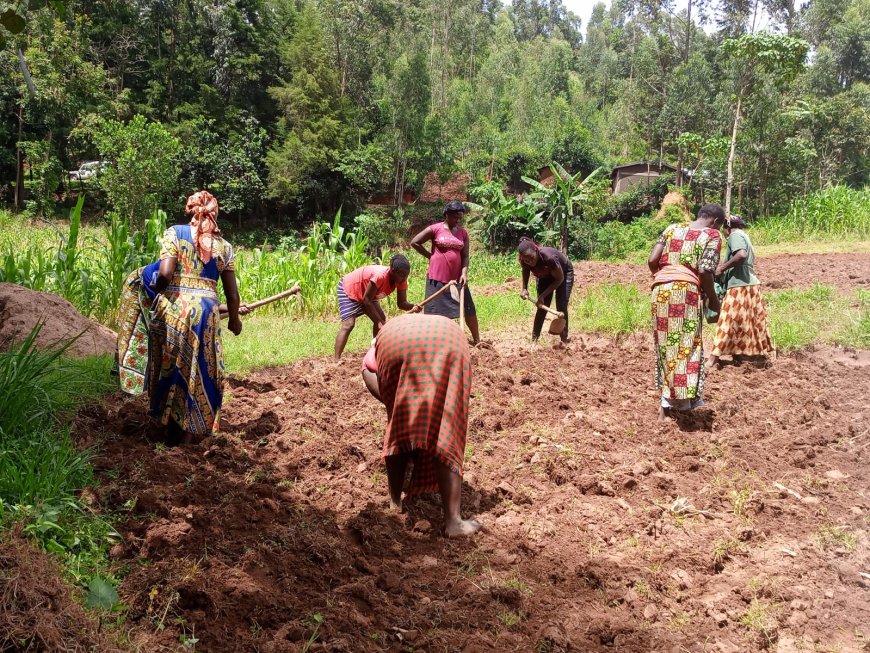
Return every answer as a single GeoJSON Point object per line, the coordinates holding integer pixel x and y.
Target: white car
{"type": "Point", "coordinates": [88, 170]}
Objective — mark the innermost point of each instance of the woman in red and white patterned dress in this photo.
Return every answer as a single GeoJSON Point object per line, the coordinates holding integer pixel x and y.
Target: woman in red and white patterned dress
{"type": "Point", "coordinates": [683, 262]}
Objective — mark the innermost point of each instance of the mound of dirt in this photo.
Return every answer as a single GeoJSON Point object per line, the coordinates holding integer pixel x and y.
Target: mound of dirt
{"type": "Point", "coordinates": [21, 309]}
{"type": "Point", "coordinates": [675, 199]}
{"type": "Point", "coordinates": [37, 610]}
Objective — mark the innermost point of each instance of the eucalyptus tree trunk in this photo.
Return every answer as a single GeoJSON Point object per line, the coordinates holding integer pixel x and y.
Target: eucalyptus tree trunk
{"type": "Point", "coordinates": [729, 184]}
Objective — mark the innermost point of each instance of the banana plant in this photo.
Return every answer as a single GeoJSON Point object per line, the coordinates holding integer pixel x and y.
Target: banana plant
{"type": "Point", "coordinates": [564, 200]}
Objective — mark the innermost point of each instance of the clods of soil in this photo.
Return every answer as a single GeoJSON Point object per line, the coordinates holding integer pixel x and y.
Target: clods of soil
{"type": "Point", "coordinates": [740, 527]}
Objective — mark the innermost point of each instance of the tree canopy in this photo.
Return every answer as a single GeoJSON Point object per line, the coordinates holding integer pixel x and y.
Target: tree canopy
{"type": "Point", "coordinates": [297, 107]}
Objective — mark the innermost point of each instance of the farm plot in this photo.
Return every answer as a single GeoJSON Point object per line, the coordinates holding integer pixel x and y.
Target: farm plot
{"type": "Point", "coordinates": [743, 528]}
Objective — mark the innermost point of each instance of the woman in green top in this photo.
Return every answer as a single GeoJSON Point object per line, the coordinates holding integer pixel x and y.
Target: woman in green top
{"type": "Point", "coordinates": [742, 328]}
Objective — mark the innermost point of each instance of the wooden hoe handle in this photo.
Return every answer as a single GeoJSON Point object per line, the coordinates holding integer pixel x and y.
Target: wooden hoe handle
{"type": "Point", "coordinates": [437, 293]}
{"type": "Point", "coordinates": [267, 300]}
{"type": "Point", "coordinates": [547, 308]}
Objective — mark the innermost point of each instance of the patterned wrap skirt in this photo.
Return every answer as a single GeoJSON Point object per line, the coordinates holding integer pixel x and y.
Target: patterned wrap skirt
{"type": "Point", "coordinates": [677, 312]}
{"type": "Point", "coordinates": [742, 328]}
{"type": "Point", "coordinates": [133, 319]}
{"type": "Point", "coordinates": [424, 375]}
{"type": "Point", "coordinates": [186, 377]}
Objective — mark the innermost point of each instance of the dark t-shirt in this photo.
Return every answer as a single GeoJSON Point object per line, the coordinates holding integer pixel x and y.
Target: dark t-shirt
{"type": "Point", "coordinates": [549, 258]}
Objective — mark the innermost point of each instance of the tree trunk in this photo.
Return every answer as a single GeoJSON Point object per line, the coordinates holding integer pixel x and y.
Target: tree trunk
{"type": "Point", "coordinates": [679, 167]}
{"type": "Point", "coordinates": [688, 31]}
{"type": "Point", "coordinates": [19, 163]}
{"type": "Point", "coordinates": [729, 184]}
{"type": "Point", "coordinates": [169, 73]}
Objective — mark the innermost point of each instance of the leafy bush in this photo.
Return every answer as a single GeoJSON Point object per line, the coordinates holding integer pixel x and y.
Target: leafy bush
{"type": "Point", "coordinates": [381, 229]}
{"type": "Point", "coordinates": [229, 165]}
{"type": "Point", "coordinates": [503, 219]}
{"type": "Point", "coordinates": [47, 171]}
{"type": "Point", "coordinates": [638, 201]}
{"type": "Point", "coordinates": [617, 241]}
{"type": "Point", "coordinates": [143, 164]}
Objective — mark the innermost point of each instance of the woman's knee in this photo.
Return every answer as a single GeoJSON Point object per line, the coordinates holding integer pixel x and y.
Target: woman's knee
{"type": "Point", "coordinates": [348, 324]}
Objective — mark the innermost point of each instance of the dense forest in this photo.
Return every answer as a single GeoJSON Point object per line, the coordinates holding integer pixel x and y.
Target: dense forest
{"type": "Point", "coordinates": [297, 107]}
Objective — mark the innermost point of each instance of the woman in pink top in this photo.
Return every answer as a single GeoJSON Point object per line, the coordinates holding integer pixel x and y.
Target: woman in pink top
{"type": "Point", "coordinates": [359, 293]}
{"type": "Point", "coordinates": [448, 261]}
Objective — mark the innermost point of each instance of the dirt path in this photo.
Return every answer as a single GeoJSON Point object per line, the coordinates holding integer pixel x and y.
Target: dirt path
{"type": "Point", "coordinates": [843, 271]}
{"type": "Point", "coordinates": [244, 539]}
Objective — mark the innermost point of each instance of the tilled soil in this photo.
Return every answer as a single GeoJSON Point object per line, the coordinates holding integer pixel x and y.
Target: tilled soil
{"type": "Point", "coordinates": [741, 528]}
{"type": "Point", "coordinates": [843, 271]}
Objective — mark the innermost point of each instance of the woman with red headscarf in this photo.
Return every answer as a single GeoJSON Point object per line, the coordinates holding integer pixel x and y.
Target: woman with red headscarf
{"type": "Point", "coordinates": [185, 380]}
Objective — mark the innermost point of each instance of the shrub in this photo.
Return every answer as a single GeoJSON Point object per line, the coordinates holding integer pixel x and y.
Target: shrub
{"type": "Point", "coordinates": [503, 219]}
{"type": "Point", "coordinates": [46, 170]}
{"type": "Point", "coordinates": [615, 240]}
{"type": "Point", "coordinates": [143, 166]}
{"type": "Point", "coordinates": [381, 229]}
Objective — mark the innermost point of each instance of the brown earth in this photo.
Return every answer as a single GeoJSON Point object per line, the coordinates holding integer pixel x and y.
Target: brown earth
{"type": "Point", "coordinates": [21, 309]}
{"type": "Point", "coordinates": [675, 199]}
{"type": "Point", "coordinates": [39, 612]}
{"type": "Point", "coordinates": [843, 271]}
{"type": "Point", "coordinates": [742, 528]}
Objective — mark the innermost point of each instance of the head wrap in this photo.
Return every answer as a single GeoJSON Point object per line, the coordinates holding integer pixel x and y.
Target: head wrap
{"type": "Point", "coordinates": [203, 210]}
{"type": "Point", "coordinates": [734, 222]}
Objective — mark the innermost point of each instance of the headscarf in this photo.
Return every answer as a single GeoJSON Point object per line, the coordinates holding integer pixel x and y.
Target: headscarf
{"type": "Point", "coordinates": [735, 222]}
{"type": "Point", "coordinates": [203, 209]}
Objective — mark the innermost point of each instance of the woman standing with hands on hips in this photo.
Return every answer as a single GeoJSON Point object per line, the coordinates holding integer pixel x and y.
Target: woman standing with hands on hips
{"type": "Point", "coordinates": [448, 261]}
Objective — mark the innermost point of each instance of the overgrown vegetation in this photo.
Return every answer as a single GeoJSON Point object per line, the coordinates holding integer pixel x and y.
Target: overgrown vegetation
{"type": "Point", "coordinates": [41, 471]}
{"type": "Point", "coordinates": [836, 213]}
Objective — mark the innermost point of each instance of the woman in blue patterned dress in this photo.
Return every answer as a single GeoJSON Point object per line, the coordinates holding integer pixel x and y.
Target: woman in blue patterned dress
{"type": "Point", "coordinates": [186, 370]}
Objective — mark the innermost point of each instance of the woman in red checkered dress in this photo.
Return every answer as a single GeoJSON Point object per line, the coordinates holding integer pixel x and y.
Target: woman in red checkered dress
{"type": "Point", "coordinates": [421, 370]}
{"type": "Point", "coordinates": [683, 262]}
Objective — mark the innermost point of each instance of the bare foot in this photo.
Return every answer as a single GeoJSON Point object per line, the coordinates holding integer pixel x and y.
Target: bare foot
{"type": "Point", "coordinates": [712, 362]}
{"type": "Point", "coordinates": [395, 507]}
{"type": "Point", "coordinates": [462, 528]}
{"type": "Point", "coordinates": [664, 413]}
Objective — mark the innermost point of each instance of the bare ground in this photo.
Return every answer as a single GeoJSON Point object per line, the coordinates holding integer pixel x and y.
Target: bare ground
{"type": "Point", "coordinates": [843, 271]}
{"type": "Point", "coordinates": [741, 528]}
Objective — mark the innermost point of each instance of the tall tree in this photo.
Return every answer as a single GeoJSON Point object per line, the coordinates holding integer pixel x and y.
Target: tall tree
{"type": "Point", "coordinates": [311, 126]}
{"type": "Point", "coordinates": [751, 54]}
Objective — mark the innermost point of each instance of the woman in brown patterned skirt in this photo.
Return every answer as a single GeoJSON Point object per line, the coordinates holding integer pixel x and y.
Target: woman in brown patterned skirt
{"type": "Point", "coordinates": [742, 328]}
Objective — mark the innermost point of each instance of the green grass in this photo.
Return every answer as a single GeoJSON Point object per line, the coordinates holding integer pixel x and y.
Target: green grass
{"type": "Point", "coordinates": [801, 316]}
{"type": "Point", "coordinates": [798, 317]}
{"type": "Point", "coordinates": [857, 331]}
{"type": "Point", "coordinates": [614, 309]}
{"type": "Point", "coordinates": [41, 471]}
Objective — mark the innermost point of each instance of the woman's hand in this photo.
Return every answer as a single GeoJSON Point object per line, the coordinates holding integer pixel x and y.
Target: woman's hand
{"type": "Point", "coordinates": [463, 278]}
{"type": "Point", "coordinates": [244, 309]}
{"type": "Point", "coordinates": [235, 325]}
{"type": "Point", "coordinates": [714, 304]}
{"type": "Point", "coordinates": [524, 293]}
{"type": "Point", "coordinates": [417, 308]}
